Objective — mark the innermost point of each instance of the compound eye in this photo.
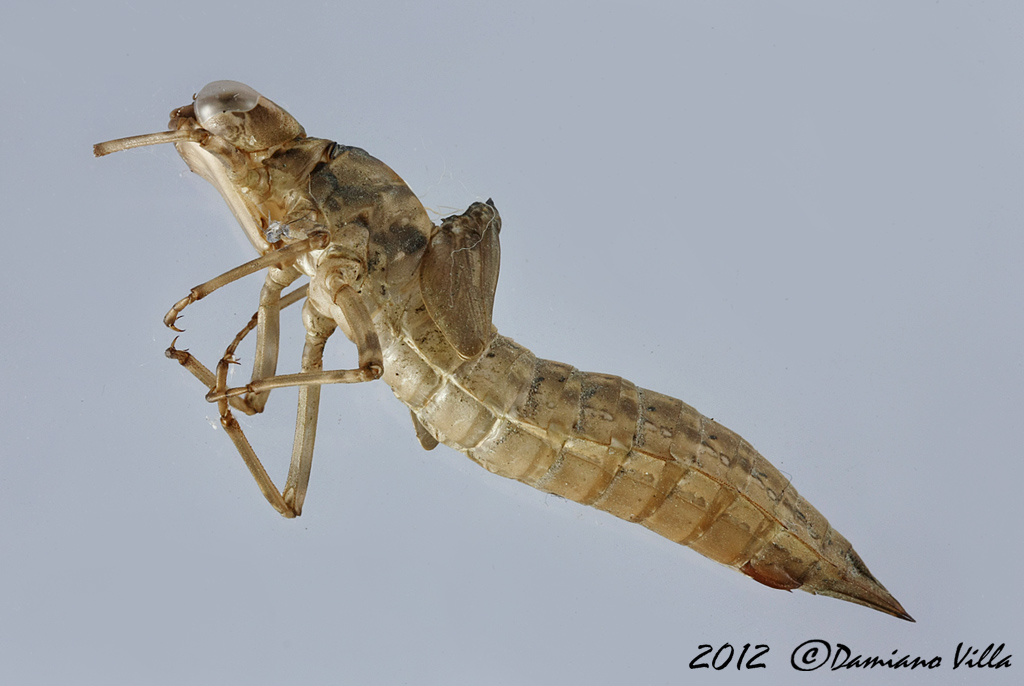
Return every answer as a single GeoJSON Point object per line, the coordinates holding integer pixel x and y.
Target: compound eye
{"type": "Point", "coordinates": [221, 97]}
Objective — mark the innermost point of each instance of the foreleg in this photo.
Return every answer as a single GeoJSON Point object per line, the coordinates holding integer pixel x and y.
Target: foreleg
{"type": "Point", "coordinates": [265, 361]}
{"type": "Point", "coordinates": [282, 256]}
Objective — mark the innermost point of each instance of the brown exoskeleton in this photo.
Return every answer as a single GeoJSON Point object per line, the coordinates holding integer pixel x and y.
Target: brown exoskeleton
{"type": "Point", "coordinates": [416, 299]}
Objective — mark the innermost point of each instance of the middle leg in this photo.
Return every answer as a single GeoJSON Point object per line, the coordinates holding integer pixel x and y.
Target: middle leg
{"type": "Point", "coordinates": [319, 328]}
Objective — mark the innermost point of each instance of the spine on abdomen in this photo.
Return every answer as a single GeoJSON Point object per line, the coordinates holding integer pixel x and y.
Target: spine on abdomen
{"type": "Point", "coordinates": [640, 455]}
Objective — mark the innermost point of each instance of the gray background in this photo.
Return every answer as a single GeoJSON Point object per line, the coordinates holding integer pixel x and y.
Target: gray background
{"type": "Point", "coordinates": [802, 218]}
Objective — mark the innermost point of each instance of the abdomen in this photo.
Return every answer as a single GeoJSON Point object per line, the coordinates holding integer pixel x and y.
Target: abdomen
{"type": "Point", "coordinates": [645, 457]}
